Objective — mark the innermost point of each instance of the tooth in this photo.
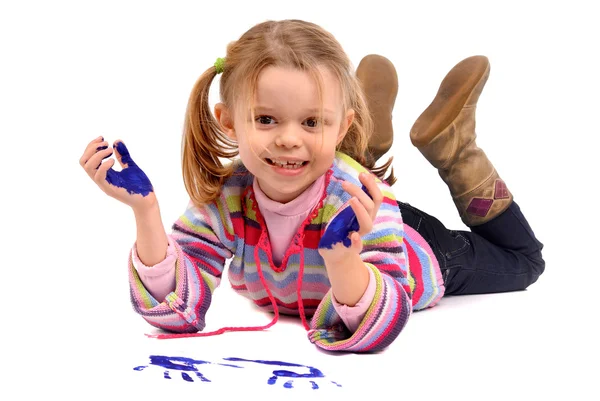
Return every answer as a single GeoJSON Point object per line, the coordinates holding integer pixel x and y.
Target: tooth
{"type": "Point", "coordinates": [288, 164]}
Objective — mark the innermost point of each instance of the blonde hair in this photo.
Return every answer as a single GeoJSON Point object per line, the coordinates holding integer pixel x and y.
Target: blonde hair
{"type": "Point", "coordinates": [287, 43]}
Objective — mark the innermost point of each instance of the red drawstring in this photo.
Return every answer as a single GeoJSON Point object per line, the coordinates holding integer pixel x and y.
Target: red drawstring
{"type": "Point", "coordinates": [226, 329]}
{"type": "Point", "coordinates": [299, 289]}
{"type": "Point", "coordinates": [261, 241]}
{"type": "Point", "coordinates": [216, 332]}
{"type": "Point", "coordinates": [264, 283]}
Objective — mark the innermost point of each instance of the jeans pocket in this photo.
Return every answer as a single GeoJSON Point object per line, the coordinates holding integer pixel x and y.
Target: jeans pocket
{"type": "Point", "coordinates": [454, 244]}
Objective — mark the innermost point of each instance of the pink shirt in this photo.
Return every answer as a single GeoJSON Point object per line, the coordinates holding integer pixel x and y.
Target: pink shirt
{"type": "Point", "coordinates": [282, 219]}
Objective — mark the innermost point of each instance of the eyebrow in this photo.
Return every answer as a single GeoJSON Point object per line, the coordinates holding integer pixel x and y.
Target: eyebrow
{"type": "Point", "coordinates": [314, 110]}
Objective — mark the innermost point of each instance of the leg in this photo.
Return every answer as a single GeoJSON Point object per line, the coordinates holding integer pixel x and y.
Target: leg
{"type": "Point", "coordinates": [501, 252]}
{"type": "Point", "coordinates": [498, 256]}
{"type": "Point", "coordinates": [379, 82]}
{"type": "Point", "coordinates": [445, 134]}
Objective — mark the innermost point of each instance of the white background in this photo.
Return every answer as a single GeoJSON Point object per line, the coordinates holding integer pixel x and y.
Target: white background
{"type": "Point", "coordinates": [70, 72]}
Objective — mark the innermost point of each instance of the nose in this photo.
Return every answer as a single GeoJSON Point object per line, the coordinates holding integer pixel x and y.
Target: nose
{"type": "Point", "coordinates": [288, 136]}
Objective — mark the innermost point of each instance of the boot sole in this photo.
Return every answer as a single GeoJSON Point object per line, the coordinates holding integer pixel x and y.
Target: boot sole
{"type": "Point", "coordinates": [461, 87]}
{"type": "Point", "coordinates": [380, 91]}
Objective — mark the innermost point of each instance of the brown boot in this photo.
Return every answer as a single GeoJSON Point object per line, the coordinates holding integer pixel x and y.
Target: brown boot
{"type": "Point", "coordinates": [445, 135]}
{"type": "Point", "coordinates": [379, 82]}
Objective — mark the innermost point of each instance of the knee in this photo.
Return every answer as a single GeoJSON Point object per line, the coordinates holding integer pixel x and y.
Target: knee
{"type": "Point", "coordinates": [537, 265]}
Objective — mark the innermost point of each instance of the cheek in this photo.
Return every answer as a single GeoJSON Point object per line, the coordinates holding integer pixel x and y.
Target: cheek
{"type": "Point", "coordinates": [253, 143]}
{"type": "Point", "coordinates": [326, 151]}
{"type": "Point", "coordinates": [330, 140]}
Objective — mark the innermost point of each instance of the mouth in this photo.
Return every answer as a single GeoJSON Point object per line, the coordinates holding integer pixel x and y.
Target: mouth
{"type": "Point", "coordinates": [287, 164]}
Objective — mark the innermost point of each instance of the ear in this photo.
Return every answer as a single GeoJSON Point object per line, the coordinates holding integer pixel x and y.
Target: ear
{"type": "Point", "coordinates": [225, 119]}
{"type": "Point", "coordinates": [346, 123]}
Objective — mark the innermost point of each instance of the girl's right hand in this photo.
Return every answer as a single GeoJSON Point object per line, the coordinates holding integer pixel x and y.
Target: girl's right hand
{"type": "Point", "coordinates": [130, 185]}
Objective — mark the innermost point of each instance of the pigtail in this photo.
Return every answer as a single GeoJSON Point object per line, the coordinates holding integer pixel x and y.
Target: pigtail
{"type": "Point", "coordinates": [203, 144]}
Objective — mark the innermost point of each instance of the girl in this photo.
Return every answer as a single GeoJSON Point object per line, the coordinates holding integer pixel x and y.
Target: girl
{"type": "Point", "coordinates": [295, 113]}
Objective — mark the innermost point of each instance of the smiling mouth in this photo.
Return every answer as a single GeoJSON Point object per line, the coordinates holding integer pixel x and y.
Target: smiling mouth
{"type": "Point", "coordinates": [287, 164]}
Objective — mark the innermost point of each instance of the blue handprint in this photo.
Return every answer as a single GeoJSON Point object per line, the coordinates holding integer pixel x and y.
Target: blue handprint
{"type": "Point", "coordinates": [182, 364]}
{"type": "Point", "coordinates": [189, 367]}
{"type": "Point", "coordinates": [313, 372]}
{"type": "Point", "coordinates": [132, 178]}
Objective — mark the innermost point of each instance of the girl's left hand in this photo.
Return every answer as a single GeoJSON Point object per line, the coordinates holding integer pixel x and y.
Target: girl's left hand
{"type": "Point", "coordinates": [366, 209]}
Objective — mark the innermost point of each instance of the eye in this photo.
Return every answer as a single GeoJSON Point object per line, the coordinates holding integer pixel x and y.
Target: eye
{"type": "Point", "coordinates": [265, 120]}
{"type": "Point", "coordinates": [312, 122]}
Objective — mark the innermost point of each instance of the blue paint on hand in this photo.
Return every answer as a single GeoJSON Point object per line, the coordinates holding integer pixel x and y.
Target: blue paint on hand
{"type": "Point", "coordinates": [132, 178]}
{"type": "Point", "coordinates": [340, 227]}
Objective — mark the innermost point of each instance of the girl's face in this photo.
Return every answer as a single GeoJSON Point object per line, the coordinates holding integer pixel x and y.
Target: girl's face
{"type": "Point", "coordinates": [290, 143]}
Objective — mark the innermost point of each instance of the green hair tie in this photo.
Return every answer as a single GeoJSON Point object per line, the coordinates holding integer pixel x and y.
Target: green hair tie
{"type": "Point", "coordinates": [219, 65]}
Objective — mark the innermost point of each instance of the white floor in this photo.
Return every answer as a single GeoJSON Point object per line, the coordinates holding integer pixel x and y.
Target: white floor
{"type": "Point", "coordinates": [519, 346]}
{"type": "Point", "coordinates": [71, 72]}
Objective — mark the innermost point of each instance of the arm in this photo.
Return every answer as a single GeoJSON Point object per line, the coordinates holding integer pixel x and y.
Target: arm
{"type": "Point", "coordinates": [199, 256]}
{"type": "Point", "coordinates": [353, 315]}
{"type": "Point", "coordinates": [151, 243]}
{"type": "Point", "coordinates": [153, 255]}
{"type": "Point", "coordinates": [202, 243]}
{"type": "Point", "coordinates": [349, 278]}
{"type": "Point", "coordinates": [391, 306]}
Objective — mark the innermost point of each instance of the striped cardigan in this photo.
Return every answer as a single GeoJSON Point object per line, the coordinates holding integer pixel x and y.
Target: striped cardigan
{"type": "Point", "coordinates": [406, 272]}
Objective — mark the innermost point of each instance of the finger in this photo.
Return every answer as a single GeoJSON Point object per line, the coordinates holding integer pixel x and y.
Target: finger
{"type": "Point", "coordinates": [356, 241]}
{"type": "Point", "coordinates": [100, 174]}
{"type": "Point", "coordinates": [95, 160]}
{"type": "Point", "coordinates": [122, 154]}
{"type": "Point", "coordinates": [90, 149]}
{"type": "Point", "coordinates": [365, 222]}
{"type": "Point", "coordinates": [105, 157]}
{"type": "Point", "coordinates": [118, 154]}
{"type": "Point", "coordinates": [358, 193]}
{"type": "Point", "coordinates": [369, 181]}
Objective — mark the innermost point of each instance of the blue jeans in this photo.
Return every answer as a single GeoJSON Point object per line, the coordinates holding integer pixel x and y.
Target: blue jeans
{"type": "Point", "coordinates": [500, 255]}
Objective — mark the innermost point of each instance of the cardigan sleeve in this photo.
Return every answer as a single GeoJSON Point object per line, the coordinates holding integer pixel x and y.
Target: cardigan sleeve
{"type": "Point", "coordinates": [203, 239]}
{"type": "Point", "coordinates": [384, 254]}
